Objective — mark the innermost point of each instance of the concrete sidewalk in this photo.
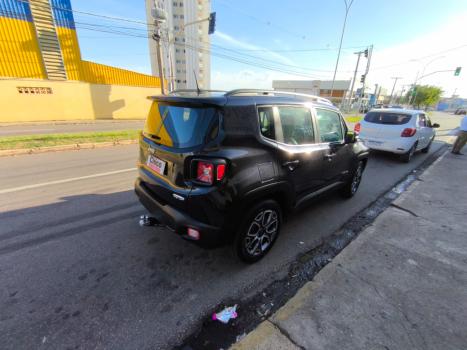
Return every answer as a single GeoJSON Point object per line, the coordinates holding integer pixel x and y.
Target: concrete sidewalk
{"type": "Point", "coordinates": [402, 284]}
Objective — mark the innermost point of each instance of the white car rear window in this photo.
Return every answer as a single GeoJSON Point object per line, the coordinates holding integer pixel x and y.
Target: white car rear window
{"type": "Point", "coordinates": [387, 118]}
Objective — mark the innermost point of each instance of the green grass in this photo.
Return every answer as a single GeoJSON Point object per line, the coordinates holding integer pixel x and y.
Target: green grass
{"type": "Point", "coordinates": [47, 140]}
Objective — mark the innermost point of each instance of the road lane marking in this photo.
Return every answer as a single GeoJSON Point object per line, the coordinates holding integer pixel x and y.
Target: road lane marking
{"type": "Point", "coordinates": [56, 182]}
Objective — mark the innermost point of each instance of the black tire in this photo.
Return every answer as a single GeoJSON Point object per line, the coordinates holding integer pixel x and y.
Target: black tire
{"type": "Point", "coordinates": [427, 148]}
{"type": "Point", "coordinates": [406, 157]}
{"type": "Point", "coordinates": [351, 187]}
{"type": "Point", "coordinates": [253, 229]}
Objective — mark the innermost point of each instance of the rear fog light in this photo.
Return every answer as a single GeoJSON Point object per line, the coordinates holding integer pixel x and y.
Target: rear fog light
{"type": "Point", "coordinates": [193, 233]}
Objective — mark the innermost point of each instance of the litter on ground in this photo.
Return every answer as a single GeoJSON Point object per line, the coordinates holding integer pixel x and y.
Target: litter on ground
{"type": "Point", "coordinates": [225, 315]}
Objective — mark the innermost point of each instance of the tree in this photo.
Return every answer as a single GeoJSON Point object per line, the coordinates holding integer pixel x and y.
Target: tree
{"type": "Point", "coordinates": [424, 95]}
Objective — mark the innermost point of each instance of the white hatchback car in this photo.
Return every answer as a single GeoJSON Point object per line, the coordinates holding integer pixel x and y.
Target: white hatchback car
{"type": "Point", "coordinates": [400, 131]}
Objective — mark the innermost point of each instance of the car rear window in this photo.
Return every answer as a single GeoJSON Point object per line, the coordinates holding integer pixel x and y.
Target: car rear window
{"type": "Point", "coordinates": [181, 127]}
{"type": "Point", "coordinates": [389, 118]}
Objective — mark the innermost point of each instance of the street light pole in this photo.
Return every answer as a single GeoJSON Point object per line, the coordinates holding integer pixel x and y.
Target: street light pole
{"type": "Point", "coordinates": [359, 53]}
{"type": "Point", "coordinates": [347, 9]}
{"type": "Point", "coordinates": [418, 77]}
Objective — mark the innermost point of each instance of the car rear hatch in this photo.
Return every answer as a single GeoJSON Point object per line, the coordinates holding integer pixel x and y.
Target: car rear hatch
{"type": "Point", "coordinates": [383, 125]}
{"type": "Point", "coordinates": [173, 134]}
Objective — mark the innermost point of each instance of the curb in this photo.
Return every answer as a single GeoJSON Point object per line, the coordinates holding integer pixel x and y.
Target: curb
{"type": "Point", "coordinates": [72, 147]}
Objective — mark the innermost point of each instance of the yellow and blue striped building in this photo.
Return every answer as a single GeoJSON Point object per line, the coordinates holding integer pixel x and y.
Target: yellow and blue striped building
{"type": "Point", "coordinates": [38, 40]}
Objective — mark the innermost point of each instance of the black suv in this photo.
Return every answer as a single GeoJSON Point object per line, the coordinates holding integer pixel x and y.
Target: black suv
{"type": "Point", "coordinates": [218, 167]}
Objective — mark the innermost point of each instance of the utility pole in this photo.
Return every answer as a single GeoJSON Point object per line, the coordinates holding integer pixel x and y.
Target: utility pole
{"type": "Point", "coordinates": [368, 53]}
{"type": "Point", "coordinates": [393, 87]}
{"type": "Point", "coordinates": [157, 37]}
{"type": "Point", "coordinates": [359, 53]}
{"type": "Point", "coordinates": [347, 9]}
{"type": "Point", "coordinates": [159, 16]}
{"type": "Point", "coordinates": [414, 86]}
{"type": "Point", "coordinates": [378, 94]}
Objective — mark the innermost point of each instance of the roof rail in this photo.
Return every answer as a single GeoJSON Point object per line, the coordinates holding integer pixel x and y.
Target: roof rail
{"type": "Point", "coordinates": [193, 90]}
{"type": "Point", "coordinates": [276, 92]}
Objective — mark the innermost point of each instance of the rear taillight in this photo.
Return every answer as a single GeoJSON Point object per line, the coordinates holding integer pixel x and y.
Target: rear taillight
{"type": "Point", "coordinates": [206, 171]}
{"type": "Point", "coordinates": [220, 172]}
{"type": "Point", "coordinates": [357, 128]}
{"type": "Point", "coordinates": [408, 132]}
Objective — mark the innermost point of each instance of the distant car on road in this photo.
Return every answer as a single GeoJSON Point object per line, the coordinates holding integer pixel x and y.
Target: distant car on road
{"type": "Point", "coordinates": [224, 167]}
{"type": "Point", "coordinates": [399, 131]}
{"type": "Point", "coordinates": [460, 111]}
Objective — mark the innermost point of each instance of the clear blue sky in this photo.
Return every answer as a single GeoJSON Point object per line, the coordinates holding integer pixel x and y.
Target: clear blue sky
{"type": "Point", "coordinates": [247, 26]}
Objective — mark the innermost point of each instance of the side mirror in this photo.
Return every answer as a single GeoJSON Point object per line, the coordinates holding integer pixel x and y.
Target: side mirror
{"type": "Point", "coordinates": [435, 125]}
{"type": "Point", "coordinates": [350, 137]}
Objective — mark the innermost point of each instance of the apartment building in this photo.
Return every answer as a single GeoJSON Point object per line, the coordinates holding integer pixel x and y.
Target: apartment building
{"type": "Point", "coordinates": [184, 45]}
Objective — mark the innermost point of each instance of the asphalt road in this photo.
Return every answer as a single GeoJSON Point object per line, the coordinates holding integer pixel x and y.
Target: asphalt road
{"type": "Point", "coordinates": [64, 127]}
{"type": "Point", "coordinates": [77, 272]}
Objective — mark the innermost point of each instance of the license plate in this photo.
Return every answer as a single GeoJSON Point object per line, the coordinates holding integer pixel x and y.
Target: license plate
{"type": "Point", "coordinates": [156, 164]}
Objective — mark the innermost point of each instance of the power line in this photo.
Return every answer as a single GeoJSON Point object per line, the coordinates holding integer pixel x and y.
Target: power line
{"type": "Point", "coordinates": [145, 30]}
{"type": "Point", "coordinates": [220, 55]}
{"type": "Point", "coordinates": [89, 13]}
{"type": "Point", "coordinates": [304, 50]}
{"type": "Point", "coordinates": [108, 29]}
{"type": "Point", "coordinates": [148, 31]}
{"type": "Point", "coordinates": [111, 30]}
{"type": "Point", "coordinates": [268, 23]}
{"type": "Point", "coordinates": [421, 58]}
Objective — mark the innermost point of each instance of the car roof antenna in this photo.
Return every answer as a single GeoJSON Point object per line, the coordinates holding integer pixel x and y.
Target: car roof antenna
{"type": "Point", "coordinates": [196, 81]}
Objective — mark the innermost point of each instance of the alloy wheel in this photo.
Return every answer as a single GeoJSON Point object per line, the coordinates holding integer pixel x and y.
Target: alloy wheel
{"type": "Point", "coordinates": [261, 232]}
{"type": "Point", "coordinates": [357, 178]}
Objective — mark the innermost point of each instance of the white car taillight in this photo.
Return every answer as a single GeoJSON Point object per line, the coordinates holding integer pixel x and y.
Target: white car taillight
{"type": "Point", "coordinates": [408, 132]}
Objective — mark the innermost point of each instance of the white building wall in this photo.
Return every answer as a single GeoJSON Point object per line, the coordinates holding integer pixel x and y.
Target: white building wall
{"type": "Point", "coordinates": [185, 52]}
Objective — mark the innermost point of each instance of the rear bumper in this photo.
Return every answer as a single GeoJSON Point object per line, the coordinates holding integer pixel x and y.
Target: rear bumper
{"type": "Point", "coordinates": [176, 220]}
{"type": "Point", "coordinates": [394, 146]}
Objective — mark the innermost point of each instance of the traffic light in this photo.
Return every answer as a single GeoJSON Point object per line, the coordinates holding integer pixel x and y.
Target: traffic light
{"type": "Point", "coordinates": [457, 72]}
{"type": "Point", "coordinates": [366, 53]}
{"type": "Point", "coordinates": [362, 79]}
{"type": "Point", "coordinates": [212, 23]}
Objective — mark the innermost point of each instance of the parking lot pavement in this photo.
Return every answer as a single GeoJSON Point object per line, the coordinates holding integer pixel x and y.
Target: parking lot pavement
{"type": "Point", "coordinates": [402, 284]}
{"type": "Point", "coordinates": [76, 270]}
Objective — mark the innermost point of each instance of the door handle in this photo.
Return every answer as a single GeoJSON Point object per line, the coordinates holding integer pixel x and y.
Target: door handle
{"type": "Point", "coordinates": [291, 164]}
{"type": "Point", "coordinates": [329, 157]}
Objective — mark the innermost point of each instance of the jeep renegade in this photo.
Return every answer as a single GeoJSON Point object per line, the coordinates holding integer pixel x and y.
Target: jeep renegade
{"type": "Point", "coordinates": [225, 167]}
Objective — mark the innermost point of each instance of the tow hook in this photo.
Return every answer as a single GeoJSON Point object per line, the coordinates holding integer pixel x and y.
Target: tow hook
{"type": "Point", "coordinates": [146, 220]}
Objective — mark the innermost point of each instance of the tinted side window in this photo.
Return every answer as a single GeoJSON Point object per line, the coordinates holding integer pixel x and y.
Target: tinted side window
{"type": "Point", "coordinates": [297, 126]}
{"type": "Point", "coordinates": [330, 126]}
{"type": "Point", "coordinates": [266, 122]}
